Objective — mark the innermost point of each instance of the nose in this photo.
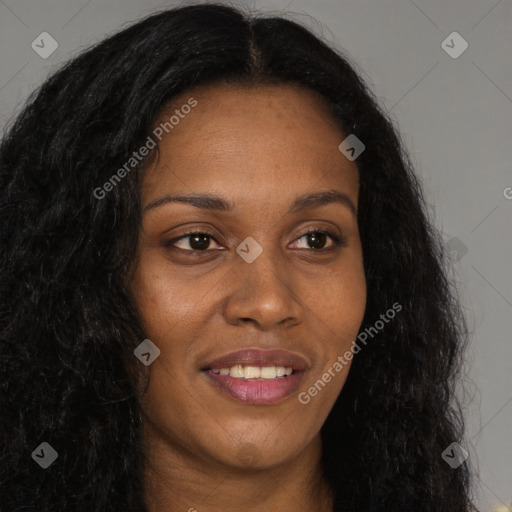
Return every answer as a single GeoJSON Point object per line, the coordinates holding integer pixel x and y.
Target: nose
{"type": "Point", "coordinates": [265, 293]}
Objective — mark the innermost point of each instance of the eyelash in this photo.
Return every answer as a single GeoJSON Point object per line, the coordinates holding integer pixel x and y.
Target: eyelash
{"type": "Point", "coordinates": [337, 241]}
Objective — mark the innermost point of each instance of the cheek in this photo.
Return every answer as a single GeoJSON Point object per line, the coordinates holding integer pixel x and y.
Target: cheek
{"type": "Point", "coordinates": [334, 353]}
{"type": "Point", "coordinates": [164, 298]}
{"type": "Point", "coordinates": [337, 305]}
{"type": "Point", "coordinates": [340, 299]}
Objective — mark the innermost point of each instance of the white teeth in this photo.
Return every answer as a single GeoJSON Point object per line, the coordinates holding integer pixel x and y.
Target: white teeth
{"type": "Point", "coordinates": [269, 372]}
{"type": "Point", "coordinates": [251, 372]}
{"type": "Point", "coordinates": [236, 371]}
{"type": "Point", "coordinates": [254, 372]}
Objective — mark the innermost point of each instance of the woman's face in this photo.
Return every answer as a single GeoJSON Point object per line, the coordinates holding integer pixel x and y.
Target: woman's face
{"type": "Point", "coordinates": [254, 280]}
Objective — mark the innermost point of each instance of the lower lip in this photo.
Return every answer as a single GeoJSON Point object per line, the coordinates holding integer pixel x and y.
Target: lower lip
{"type": "Point", "coordinates": [256, 392]}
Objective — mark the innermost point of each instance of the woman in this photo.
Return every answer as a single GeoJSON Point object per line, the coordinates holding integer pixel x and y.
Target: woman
{"type": "Point", "coordinates": [220, 288]}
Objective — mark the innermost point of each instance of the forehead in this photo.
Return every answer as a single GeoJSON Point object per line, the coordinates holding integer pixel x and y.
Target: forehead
{"type": "Point", "coordinates": [255, 138]}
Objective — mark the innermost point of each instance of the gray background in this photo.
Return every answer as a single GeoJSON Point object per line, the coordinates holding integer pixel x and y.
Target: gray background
{"type": "Point", "coordinates": [454, 114]}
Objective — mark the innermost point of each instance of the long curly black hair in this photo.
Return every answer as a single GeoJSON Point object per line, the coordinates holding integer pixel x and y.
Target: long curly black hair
{"type": "Point", "coordinates": [68, 325]}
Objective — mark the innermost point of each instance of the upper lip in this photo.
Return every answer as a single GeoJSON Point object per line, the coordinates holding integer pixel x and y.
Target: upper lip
{"type": "Point", "coordinates": [259, 357]}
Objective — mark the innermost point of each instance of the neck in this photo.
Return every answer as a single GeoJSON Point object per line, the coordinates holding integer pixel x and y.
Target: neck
{"type": "Point", "coordinates": [177, 480]}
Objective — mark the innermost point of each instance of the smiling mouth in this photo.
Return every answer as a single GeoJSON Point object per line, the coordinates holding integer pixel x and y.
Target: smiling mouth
{"type": "Point", "coordinates": [256, 376]}
{"type": "Point", "coordinates": [253, 385]}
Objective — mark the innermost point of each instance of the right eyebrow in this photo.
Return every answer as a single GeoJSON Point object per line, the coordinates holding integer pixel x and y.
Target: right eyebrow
{"type": "Point", "coordinates": [203, 201]}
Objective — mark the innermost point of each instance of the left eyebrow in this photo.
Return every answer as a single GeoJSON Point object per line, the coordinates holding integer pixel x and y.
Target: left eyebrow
{"type": "Point", "coordinates": [216, 203]}
{"type": "Point", "coordinates": [317, 199]}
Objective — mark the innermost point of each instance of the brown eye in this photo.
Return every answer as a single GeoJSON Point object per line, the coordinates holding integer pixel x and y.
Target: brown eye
{"type": "Point", "coordinates": [316, 240]}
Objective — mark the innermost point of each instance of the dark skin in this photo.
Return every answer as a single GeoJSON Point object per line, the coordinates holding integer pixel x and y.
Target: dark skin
{"type": "Point", "coordinates": [259, 148]}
